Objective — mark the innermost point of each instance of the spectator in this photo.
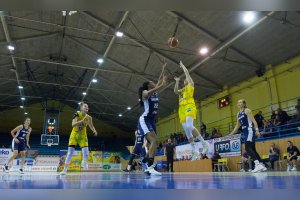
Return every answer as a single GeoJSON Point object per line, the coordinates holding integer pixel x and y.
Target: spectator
{"type": "Point", "coordinates": [203, 128]}
{"type": "Point", "coordinates": [215, 134]}
{"type": "Point", "coordinates": [203, 156]}
{"type": "Point", "coordinates": [215, 159]}
{"type": "Point", "coordinates": [273, 115]}
{"type": "Point", "coordinates": [273, 156]}
{"type": "Point", "coordinates": [260, 120]}
{"type": "Point", "coordinates": [297, 107]}
{"type": "Point", "coordinates": [293, 153]}
{"type": "Point", "coordinates": [169, 152]}
{"type": "Point", "coordinates": [246, 162]}
{"type": "Point", "coordinates": [283, 116]}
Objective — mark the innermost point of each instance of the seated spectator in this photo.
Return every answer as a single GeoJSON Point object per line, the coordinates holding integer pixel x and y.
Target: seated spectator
{"type": "Point", "coordinates": [274, 153]}
{"type": "Point", "coordinates": [215, 134]}
{"type": "Point", "coordinates": [246, 162]}
{"type": "Point", "coordinates": [215, 159]}
{"type": "Point", "coordinates": [293, 153]}
{"type": "Point", "coordinates": [283, 116]}
{"type": "Point", "coordinates": [203, 156]}
{"type": "Point", "coordinates": [260, 120]}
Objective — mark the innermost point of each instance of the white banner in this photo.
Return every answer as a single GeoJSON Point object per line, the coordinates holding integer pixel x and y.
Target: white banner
{"type": "Point", "coordinates": [5, 154]}
{"type": "Point", "coordinates": [35, 168]}
{"type": "Point", "coordinates": [185, 151]}
{"type": "Point", "coordinates": [226, 146]}
{"type": "Point", "coordinates": [47, 161]}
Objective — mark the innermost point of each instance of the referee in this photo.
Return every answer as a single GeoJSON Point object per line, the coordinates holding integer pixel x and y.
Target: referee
{"type": "Point", "coordinates": [169, 152]}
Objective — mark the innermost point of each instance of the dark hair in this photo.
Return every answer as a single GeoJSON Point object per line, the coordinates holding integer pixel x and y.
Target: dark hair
{"type": "Point", "coordinates": [141, 89]}
{"type": "Point", "coordinates": [26, 119]}
{"type": "Point", "coordinates": [290, 142]}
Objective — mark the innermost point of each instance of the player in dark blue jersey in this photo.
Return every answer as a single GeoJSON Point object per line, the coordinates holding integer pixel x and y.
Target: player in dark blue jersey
{"type": "Point", "coordinates": [146, 124]}
{"type": "Point", "coordinates": [250, 130]}
{"type": "Point", "coordinates": [139, 150]}
{"type": "Point", "coordinates": [20, 136]}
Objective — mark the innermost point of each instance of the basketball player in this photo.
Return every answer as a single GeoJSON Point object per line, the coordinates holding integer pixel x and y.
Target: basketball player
{"type": "Point", "coordinates": [250, 129]}
{"type": "Point", "coordinates": [79, 136]}
{"type": "Point", "coordinates": [140, 149]}
{"type": "Point", "coordinates": [20, 136]}
{"type": "Point", "coordinates": [188, 112]}
{"type": "Point", "coordinates": [146, 124]}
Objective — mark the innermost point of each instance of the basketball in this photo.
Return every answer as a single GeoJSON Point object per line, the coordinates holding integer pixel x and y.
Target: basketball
{"type": "Point", "coordinates": [173, 42]}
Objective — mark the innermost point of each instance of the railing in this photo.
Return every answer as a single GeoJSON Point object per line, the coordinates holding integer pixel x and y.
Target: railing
{"type": "Point", "coordinates": [226, 128]}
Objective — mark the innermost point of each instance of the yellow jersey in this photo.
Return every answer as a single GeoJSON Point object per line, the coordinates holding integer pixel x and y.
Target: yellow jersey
{"type": "Point", "coordinates": [186, 95]}
{"type": "Point", "coordinates": [81, 129]}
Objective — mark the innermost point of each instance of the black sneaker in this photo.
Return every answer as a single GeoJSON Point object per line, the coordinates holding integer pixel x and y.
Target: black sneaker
{"type": "Point", "coordinates": [21, 171]}
{"type": "Point", "coordinates": [6, 169]}
{"type": "Point", "coordinates": [126, 170]}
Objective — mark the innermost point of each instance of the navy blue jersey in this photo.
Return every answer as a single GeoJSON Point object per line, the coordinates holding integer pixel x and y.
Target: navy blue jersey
{"type": "Point", "coordinates": [151, 106]}
{"type": "Point", "coordinates": [247, 126]}
{"type": "Point", "coordinates": [21, 134]}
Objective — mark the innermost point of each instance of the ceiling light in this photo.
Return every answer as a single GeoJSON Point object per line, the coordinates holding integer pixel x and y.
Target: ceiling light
{"type": "Point", "coordinates": [84, 93]}
{"type": "Point", "coordinates": [23, 98]}
{"type": "Point", "coordinates": [94, 80]}
{"type": "Point", "coordinates": [100, 60]}
{"type": "Point", "coordinates": [25, 113]}
{"type": "Point", "coordinates": [119, 34]}
{"type": "Point", "coordinates": [11, 47]}
{"type": "Point", "coordinates": [248, 17]}
{"type": "Point", "coordinates": [20, 87]}
{"type": "Point", "coordinates": [128, 108]}
{"type": "Point", "coordinates": [203, 50]}
{"type": "Point", "coordinates": [120, 115]}
{"type": "Point", "coordinates": [22, 107]}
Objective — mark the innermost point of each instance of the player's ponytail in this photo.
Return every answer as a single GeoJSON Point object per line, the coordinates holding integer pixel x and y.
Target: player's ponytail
{"type": "Point", "coordinates": [141, 89]}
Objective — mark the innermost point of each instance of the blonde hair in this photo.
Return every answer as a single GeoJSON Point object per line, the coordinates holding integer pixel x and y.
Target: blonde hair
{"type": "Point", "coordinates": [244, 102]}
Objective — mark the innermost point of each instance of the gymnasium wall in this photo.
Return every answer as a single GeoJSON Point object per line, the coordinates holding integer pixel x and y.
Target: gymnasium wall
{"type": "Point", "coordinates": [9, 119]}
{"type": "Point", "coordinates": [277, 88]}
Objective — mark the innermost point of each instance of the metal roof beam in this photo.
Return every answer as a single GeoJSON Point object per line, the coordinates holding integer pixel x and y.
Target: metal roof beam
{"type": "Point", "coordinates": [142, 44]}
{"type": "Point", "coordinates": [206, 33]}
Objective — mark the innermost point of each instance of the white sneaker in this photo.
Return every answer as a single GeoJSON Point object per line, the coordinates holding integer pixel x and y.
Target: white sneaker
{"type": "Point", "coordinates": [205, 148]}
{"type": "Point", "coordinates": [151, 171]}
{"type": "Point", "coordinates": [63, 173]}
{"type": "Point", "coordinates": [84, 165]}
{"type": "Point", "coordinates": [242, 170]}
{"type": "Point", "coordinates": [294, 169]}
{"type": "Point", "coordinates": [195, 155]}
{"type": "Point", "coordinates": [289, 167]}
{"type": "Point", "coordinates": [259, 168]}
{"type": "Point", "coordinates": [21, 171]}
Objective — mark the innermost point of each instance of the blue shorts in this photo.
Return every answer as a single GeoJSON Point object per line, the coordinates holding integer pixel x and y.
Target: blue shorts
{"type": "Point", "coordinates": [18, 147]}
{"type": "Point", "coordinates": [146, 125]}
{"type": "Point", "coordinates": [249, 134]}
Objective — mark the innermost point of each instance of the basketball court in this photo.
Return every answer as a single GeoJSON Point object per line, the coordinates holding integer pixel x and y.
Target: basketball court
{"type": "Point", "coordinates": [192, 181]}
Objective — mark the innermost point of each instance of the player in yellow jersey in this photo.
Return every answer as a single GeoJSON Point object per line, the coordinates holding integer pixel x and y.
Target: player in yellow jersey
{"type": "Point", "coordinates": [188, 112]}
{"type": "Point", "coordinates": [79, 136]}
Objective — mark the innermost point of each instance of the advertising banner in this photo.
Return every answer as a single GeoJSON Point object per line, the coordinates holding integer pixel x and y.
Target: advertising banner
{"type": "Point", "coordinates": [226, 146]}
{"type": "Point", "coordinates": [5, 154]}
{"type": "Point", "coordinates": [75, 164]}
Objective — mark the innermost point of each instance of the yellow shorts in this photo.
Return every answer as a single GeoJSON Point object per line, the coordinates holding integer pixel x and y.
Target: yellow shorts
{"type": "Point", "coordinates": [78, 139]}
{"type": "Point", "coordinates": [188, 110]}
